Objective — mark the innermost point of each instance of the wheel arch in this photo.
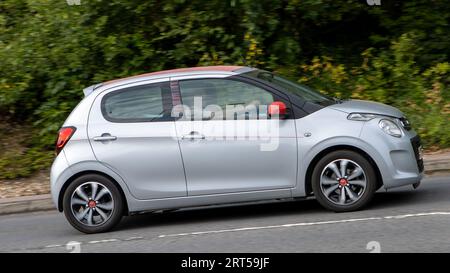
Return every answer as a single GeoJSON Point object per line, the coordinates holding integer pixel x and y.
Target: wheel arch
{"type": "Point", "coordinates": [313, 162]}
{"type": "Point", "coordinates": [82, 173]}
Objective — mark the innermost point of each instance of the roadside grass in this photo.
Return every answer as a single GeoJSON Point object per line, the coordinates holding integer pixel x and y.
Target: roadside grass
{"type": "Point", "coordinates": [19, 156]}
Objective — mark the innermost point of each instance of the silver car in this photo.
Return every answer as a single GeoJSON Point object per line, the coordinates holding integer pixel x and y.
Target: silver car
{"type": "Point", "coordinates": [219, 135]}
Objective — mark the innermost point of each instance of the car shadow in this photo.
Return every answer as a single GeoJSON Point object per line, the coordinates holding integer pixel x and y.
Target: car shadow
{"type": "Point", "coordinates": [382, 200]}
{"type": "Point", "coordinates": [214, 213]}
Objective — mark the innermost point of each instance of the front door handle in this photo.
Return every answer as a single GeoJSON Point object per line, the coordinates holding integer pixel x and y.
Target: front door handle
{"type": "Point", "coordinates": [193, 135]}
{"type": "Point", "coordinates": [105, 137]}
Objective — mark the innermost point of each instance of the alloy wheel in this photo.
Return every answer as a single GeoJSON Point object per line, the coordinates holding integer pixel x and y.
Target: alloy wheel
{"type": "Point", "coordinates": [343, 182]}
{"type": "Point", "coordinates": [92, 204]}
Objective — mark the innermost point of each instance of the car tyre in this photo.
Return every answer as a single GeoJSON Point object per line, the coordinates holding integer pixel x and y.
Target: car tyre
{"type": "Point", "coordinates": [344, 181]}
{"type": "Point", "coordinates": [93, 204]}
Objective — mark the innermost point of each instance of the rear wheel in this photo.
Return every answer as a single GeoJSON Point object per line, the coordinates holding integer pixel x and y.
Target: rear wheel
{"type": "Point", "coordinates": [92, 204]}
{"type": "Point", "coordinates": [344, 181]}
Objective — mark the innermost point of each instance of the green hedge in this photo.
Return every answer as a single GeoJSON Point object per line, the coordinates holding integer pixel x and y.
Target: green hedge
{"type": "Point", "coordinates": [396, 53]}
{"type": "Point", "coordinates": [393, 77]}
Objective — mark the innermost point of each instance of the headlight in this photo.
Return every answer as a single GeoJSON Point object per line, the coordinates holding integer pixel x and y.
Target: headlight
{"type": "Point", "coordinates": [361, 116]}
{"type": "Point", "coordinates": [390, 128]}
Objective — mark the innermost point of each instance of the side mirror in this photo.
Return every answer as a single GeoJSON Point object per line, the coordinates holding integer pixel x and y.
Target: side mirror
{"type": "Point", "coordinates": [277, 108]}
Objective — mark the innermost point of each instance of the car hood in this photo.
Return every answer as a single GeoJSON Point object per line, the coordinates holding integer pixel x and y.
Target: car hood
{"type": "Point", "coordinates": [362, 106]}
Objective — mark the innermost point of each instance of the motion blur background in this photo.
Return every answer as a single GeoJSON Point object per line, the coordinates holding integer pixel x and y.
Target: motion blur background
{"type": "Point", "coordinates": [396, 53]}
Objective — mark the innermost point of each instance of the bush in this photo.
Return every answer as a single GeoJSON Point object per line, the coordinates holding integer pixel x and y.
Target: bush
{"type": "Point", "coordinates": [397, 53]}
{"type": "Point", "coordinates": [16, 165]}
{"type": "Point", "coordinates": [392, 77]}
{"type": "Point", "coordinates": [20, 155]}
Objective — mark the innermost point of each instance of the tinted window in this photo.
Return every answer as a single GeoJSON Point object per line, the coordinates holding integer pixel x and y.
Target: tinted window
{"type": "Point", "coordinates": [137, 104]}
{"type": "Point", "coordinates": [226, 93]}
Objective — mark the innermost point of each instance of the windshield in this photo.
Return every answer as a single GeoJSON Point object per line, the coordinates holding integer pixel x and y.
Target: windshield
{"type": "Point", "coordinates": [298, 89]}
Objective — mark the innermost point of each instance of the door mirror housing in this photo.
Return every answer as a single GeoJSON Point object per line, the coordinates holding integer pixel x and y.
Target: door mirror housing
{"type": "Point", "coordinates": [278, 108]}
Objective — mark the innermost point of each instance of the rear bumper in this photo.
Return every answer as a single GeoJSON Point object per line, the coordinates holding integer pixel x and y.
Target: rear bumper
{"type": "Point", "coordinates": [59, 168]}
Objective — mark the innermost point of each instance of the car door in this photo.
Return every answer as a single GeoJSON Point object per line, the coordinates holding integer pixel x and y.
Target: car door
{"type": "Point", "coordinates": [234, 150]}
{"type": "Point", "coordinates": [131, 131]}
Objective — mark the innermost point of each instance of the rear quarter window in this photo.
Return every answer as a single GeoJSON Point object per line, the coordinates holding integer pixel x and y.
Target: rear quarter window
{"type": "Point", "coordinates": [137, 104]}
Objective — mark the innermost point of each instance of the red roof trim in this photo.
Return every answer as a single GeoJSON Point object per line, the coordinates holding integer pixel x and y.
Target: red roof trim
{"type": "Point", "coordinates": [226, 68]}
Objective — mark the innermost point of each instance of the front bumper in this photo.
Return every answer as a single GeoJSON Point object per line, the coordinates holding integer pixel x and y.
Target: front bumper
{"type": "Point", "coordinates": [398, 159]}
{"type": "Point", "coordinates": [418, 154]}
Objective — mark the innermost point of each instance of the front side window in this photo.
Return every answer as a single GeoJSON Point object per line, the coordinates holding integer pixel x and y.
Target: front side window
{"type": "Point", "coordinates": [236, 100]}
{"type": "Point", "coordinates": [303, 91]}
{"type": "Point", "coordinates": [137, 104]}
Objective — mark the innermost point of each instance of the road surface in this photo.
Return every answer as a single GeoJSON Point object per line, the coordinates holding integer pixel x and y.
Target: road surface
{"type": "Point", "coordinates": [401, 220]}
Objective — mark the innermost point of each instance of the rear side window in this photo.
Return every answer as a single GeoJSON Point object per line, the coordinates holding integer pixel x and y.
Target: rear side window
{"type": "Point", "coordinates": [138, 104]}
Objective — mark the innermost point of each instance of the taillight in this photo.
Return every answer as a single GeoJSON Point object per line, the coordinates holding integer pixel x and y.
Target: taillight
{"type": "Point", "coordinates": [64, 135]}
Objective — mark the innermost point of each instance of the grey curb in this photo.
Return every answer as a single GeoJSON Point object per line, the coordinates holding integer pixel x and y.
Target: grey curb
{"type": "Point", "coordinates": [437, 166]}
{"type": "Point", "coordinates": [26, 204]}
{"type": "Point", "coordinates": [44, 202]}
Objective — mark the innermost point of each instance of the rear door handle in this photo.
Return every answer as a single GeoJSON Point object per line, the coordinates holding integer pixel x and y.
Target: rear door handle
{"type": "Point", "coordinates": [105, 137]}
{"type": "Point", "coordinates": [193, 135]}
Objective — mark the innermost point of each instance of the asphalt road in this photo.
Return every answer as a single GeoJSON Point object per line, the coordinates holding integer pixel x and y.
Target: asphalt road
{"type": "Point", "coordinates": [401, 220]}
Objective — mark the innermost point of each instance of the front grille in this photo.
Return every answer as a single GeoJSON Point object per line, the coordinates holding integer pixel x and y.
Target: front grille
{"type": "Point", "coordinates": [405, 123]}
{"type": "Point", "coordinates": [416, 144]}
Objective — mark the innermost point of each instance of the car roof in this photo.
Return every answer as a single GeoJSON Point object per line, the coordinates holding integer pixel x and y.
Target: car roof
{"type": "Point", "coordinates": [229, 69]}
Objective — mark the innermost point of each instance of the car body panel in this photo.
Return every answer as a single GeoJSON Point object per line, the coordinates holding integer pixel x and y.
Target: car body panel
{"type": "Point", "coordinates": [313, 138]}
{"type": "Point", "coordinates": [65, 174]}
{"type": "Point", "coordinates": [230, 160]}
{"type": "Point", "coordinates": [162, 187]}
{"type": "Point", "coordinates": [394, 156]}
{"type": "Point", "coordinates": [60, 173]}
{"type": "Point", "coordinates": [145, 154]}
{"type": "Point", "coordinates": [362, 106]}
{"type": "Point", "coordinates": [237, 155]}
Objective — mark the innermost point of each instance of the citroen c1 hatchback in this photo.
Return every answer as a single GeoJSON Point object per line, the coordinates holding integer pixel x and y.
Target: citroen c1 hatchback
{"type": "Point", "coordinates": [224, 134]}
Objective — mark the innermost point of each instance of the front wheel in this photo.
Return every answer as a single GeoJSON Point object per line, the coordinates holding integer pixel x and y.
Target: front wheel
{"type": "Point", "coordinates": [93, 204]}
{"type": "Point", "coordinates": [343, 181]}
